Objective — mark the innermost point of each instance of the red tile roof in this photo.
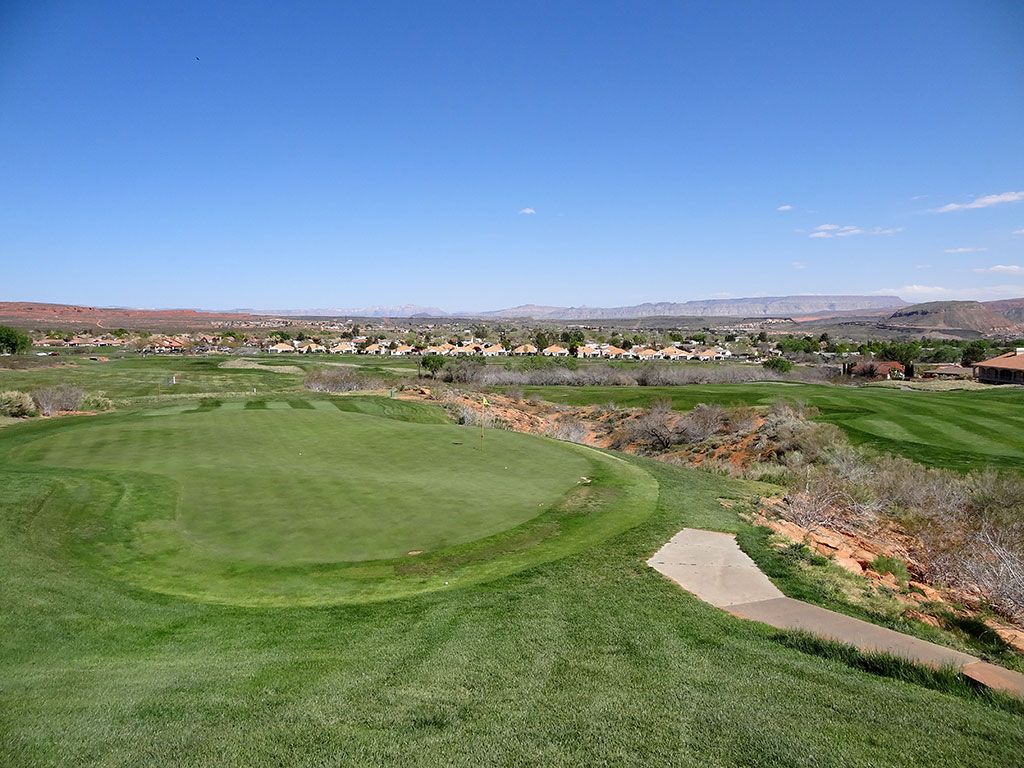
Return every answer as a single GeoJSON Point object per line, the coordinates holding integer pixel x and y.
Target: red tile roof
{"type": "Point", "coordinates": [1013, 361]}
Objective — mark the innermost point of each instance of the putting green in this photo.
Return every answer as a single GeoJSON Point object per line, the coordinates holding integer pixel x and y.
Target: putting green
{"type": "Point", "coordinates": [281, 502]}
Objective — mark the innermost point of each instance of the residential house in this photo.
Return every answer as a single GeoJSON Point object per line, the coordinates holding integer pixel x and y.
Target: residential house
{"type": "Point", "coordinates": [708, 354]}
{"type": "Point", "coordinates": [555, 351]}
{"type": "Point", "coordinates": [493, 350]}
{"type": "Point", "coordinates": [310, 347]}
{"type": "Point", "coordinates": [948, 372]}
{"type": "Point", "coordinates": [401, 350]}
{"type": "Point", "coordinates": [1004, 369]}
{"type": "Point", "coordinates": [344, 348]}
{"type": "Point", "coordinates": [674, 353]}
{"type": "Point", "coordinates": [589, 350]}
{"type": "Point", "coordinates": [882, 369]}
{"type": "Point", "coordinates": [280, 347]}
{"type": "Point", "coordinates": [524, 349]}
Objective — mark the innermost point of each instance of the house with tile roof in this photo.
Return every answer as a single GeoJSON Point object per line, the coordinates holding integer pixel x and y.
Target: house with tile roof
{"type": "Point", "coordinates": [1003, 369]}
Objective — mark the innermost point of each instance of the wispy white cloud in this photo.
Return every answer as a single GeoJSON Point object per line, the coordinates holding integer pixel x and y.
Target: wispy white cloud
{"type": "Point", "coordinates": [1012, 269]}
{"type": "Point", "coordinates": [785, 207]}
{"type": "Point", "coordinates": [798, 265]}
{"type": "Point", "coordinates": [914, 291]}
{"type": "Point", "coordinates": [919, 197]}
{"type": "Point", "coordinates": [969, 249]}
{"type": "Point", "coordinates": [825, 231]}
{"type": "Point", "coordinates": [1018, 231]}
{"type": "Point", "coordinates": [527, 211]}
{"type": "Point", "coordinates": [985, 201]}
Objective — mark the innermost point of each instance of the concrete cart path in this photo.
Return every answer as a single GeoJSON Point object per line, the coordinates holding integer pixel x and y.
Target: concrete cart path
{"type": "Point", "coordinates": [713, 567]}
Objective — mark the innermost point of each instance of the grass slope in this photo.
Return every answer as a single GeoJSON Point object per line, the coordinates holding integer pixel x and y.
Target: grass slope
{"type": "Point", "coordinates": [962, 430]}
{"type": "Point", "coordinates": [593, 659]}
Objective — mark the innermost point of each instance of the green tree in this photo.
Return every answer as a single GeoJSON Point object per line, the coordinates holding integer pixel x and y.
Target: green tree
{"type": "Point", "coordinates": [902, 352]}
{"type": "Point", "coordinates": [778, 364]}
{"type": "Point", "coordinates": [975, 352]}
{"type": "Point", "coordinates": [14, 341]}
{"type": "Point", "coordinates": [433, 363]}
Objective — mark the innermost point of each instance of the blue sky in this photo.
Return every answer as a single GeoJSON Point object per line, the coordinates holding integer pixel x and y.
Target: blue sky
{"type": "Point", "coordinates": [480, 155]}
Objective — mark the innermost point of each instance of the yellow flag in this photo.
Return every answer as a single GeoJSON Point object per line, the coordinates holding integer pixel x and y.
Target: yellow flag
{"type": "Point", "coordinates": [485, 402]}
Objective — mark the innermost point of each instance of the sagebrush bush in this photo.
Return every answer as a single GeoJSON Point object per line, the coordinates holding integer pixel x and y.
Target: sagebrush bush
{"type": "Point", "coordinates": [569, 429]}
{"type": "Point", "coordinates": [63, 397]}
{"type": "Point", "coordinates": [966, 530]}
{"type": "Point", "coordinates": [339, 380]}
{"type": "Point", "coordinates": [548, 372]}
{"type": "Point", "coordinates": [16, 404]}
{"type": "Point", "coordinates": [97, 401]}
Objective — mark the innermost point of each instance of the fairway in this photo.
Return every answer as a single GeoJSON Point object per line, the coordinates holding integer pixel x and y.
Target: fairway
{"type": "Point", "coordinates": [316, 501]}
{"type": "Point", "coordinates": [968, 429]}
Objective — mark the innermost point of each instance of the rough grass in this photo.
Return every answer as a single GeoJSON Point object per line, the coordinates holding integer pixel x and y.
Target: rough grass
{"type": "Point", "coordinates": [962, 430]}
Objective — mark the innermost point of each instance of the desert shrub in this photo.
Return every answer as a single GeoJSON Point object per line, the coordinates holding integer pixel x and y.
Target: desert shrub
{"type": "Point", "coordinates": [16, 404]}
{"type": "Point", "coordinates": [474, 417]}
{"type": "Point", "coordinates": [700, 423]}
{"type": "Point", "coordinates": [97, 402]}
{"type": "Point", "coordinates": [793, 438]}
{"type": "Point", "coordinates": [339, 380]}
{"type": "Point", "coordinates": [462, 371]}
{"type": "Point", "coordinates": [778, 364]}
{"type": "Point", "coordinates": [541, 371]}
{"type": "Point", "coordinates": [656, 428]}
{"type": "Point", "coordinates": [820, 498]}
{"type": "Point", "coordinates": [743, 421]}
{"type": "Point", "coordinates": [885, 564]}
{"type": "Point", "coordinates": [766, 472]}
{"type": "Point", "coordinates": [966, 531]}
{"type": "Point", "coordinates": [64, 397]}
{"type": "Point", "coordinates": [569, 429]}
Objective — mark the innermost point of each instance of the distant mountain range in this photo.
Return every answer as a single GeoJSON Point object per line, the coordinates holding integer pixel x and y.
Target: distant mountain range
{"type": "Point", "coordinates": [398, 310]}
{"type": "Point", "coordinates": [937, 319]}
{"type": "Point", "coordinates": [761, 306]}
{"type": "Point", "coordinates": [984, 318]}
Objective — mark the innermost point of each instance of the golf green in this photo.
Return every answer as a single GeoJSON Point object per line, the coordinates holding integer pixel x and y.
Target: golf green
{"type": "Point", "coordinates": [265, 501]}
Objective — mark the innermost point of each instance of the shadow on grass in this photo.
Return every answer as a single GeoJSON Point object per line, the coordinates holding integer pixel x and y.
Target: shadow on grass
{"type": "Point", "coordinates": [943, 679]}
